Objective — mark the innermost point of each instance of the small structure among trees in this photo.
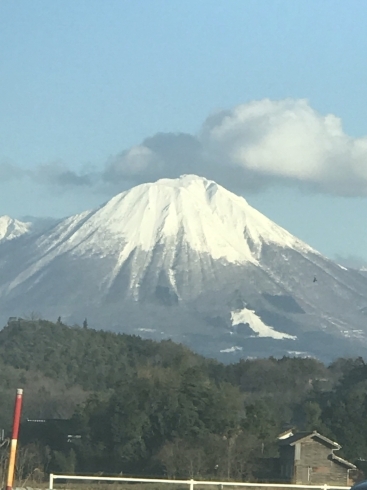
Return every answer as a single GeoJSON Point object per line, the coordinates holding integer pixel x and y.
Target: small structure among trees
{"type": "Point", "coordinates": [308, 458]}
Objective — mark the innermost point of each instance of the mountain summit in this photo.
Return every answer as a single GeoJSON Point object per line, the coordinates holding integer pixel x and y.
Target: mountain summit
{"type": "Point", "coordinates": [186, 259]}
{"type": "Point", "coordinates": [12, 228]}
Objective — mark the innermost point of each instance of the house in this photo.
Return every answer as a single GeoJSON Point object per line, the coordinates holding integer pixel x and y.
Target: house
{"type": "Point", "coordinates": [308, 458]}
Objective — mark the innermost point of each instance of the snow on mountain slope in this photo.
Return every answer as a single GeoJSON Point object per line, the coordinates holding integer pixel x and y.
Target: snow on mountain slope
{"type": "Point", "coordinates": [186, 259]}
{"type": "Point", "coordinates": [250, 318]}
{"type": "Point", "coordinates": [11, 228]}
{"type": "Point", "coordinates": [211, 219]}
{"type": "Point", "coordinates": [189, 216]}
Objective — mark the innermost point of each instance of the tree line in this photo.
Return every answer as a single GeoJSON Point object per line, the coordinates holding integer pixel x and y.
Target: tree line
{"type": "Point", "coordinates": [157, 408]}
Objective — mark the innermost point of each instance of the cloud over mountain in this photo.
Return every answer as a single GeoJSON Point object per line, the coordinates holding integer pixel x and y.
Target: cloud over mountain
{"type": "Point", "coordinates": [60, 175]}
{"type": "Point", "coordinates": [256, 144]}
{"type": "Point", "coordinates": [253, 145]}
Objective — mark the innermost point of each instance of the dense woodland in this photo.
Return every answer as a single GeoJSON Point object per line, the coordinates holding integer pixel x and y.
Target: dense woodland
{"type": "Point", "coordinates": [143, 407]}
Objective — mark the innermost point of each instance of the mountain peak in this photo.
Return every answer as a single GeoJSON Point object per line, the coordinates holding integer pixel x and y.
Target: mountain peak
{"type": "Point", "coordinates": [12, 228]}
{"type": "Point", "coordinates": [187, 259]}
{"type": "Point", "coordinates": [177, 215]}
{"type": "Point", "coordinates": [194, 202]}
{"type": "Point", "coordinates": [185, 180]}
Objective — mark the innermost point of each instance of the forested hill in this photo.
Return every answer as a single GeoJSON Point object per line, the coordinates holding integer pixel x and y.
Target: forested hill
{"type": "Point", "coordinates": [156, 407]}
{"type": "Point", "coordinates": [93, 359]}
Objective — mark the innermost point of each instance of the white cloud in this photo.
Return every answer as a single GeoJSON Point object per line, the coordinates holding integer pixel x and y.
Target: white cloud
{"type": "Point", "coordinates": [162, 155]}
{"type": "Point", "coordinates": [288, 140]}
{"type": "Point", "coordinates": [258, 144]}
{"type": "Point", "coordinates": [262, 143]}
{"type": "Point", "coordinates": [133, 163]}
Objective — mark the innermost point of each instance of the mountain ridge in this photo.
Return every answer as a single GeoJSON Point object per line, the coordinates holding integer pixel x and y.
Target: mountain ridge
{"type": "Point", "coordinates": [11, 228]}
{"type": "Point", "coordinates": [187, 259]}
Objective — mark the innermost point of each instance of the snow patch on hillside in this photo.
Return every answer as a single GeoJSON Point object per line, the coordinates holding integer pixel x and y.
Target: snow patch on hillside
{"type": "Point", "coordinates": [234, 348]}
{"type": "Point", "coordinates": [296, 353]}
{"type": "Point", "coordinates": [249, 317]}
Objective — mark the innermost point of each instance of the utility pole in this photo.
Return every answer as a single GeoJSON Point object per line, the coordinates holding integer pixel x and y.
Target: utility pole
{"type": "Point", "coordinates": [14, 438]}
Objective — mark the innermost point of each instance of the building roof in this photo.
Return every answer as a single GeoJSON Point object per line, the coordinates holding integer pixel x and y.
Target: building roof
{"type": "Point", "coordinates": [285, 434]}
{"type": "Point", "coordinates": [342, 461]}
{"type": "Point", "coordinates": [301, 436]}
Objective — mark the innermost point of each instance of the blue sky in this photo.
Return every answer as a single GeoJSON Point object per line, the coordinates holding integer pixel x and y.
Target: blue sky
{"type": "Point", "coordinates": [267, 97]}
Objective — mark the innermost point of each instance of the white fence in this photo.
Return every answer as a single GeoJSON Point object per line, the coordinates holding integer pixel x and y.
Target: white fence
{"type": "Point", "coordinates": [190, 483]}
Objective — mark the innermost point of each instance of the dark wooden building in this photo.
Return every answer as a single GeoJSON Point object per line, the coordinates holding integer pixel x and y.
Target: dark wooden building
{"type": "Point", "coordinates": [57, 434]}
{"type": "Point", "coordinates": [308, 458]}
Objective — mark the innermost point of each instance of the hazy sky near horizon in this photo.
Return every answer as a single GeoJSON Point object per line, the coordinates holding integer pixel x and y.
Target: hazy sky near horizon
{"type": "Point", "coordinates": [267, 97]}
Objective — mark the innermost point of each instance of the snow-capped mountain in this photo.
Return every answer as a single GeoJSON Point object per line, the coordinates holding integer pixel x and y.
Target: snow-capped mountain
{"type": "Point", "coordinates": [189, 260]}
{"type": "Point", "coordinates": [11, 228]}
